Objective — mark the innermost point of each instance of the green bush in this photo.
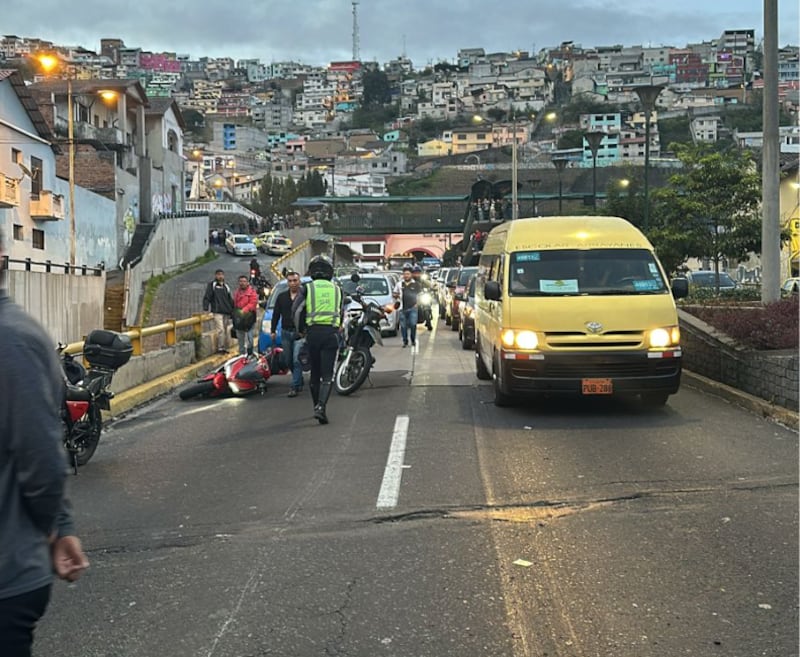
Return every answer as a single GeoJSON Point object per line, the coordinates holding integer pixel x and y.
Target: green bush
{"type": "Point", "coordinates": [769, 326]}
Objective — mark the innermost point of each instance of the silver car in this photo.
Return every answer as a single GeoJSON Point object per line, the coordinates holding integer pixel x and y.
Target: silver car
{"type": "Point", "coordinates": [379, 288]}
{"type": "Point", "coordinates": [240, 245]}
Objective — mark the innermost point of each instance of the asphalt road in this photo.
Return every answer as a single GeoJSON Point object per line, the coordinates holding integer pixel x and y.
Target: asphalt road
{"type": "Point", "coordinates": [242, 528]}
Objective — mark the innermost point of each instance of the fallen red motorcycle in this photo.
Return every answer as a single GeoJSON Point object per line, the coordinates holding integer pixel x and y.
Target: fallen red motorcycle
{"type": "Point", "coordinates": [238, 376]}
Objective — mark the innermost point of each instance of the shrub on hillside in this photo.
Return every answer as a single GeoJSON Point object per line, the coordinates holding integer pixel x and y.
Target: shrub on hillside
{"type": "Point", "coordinates": [772, 326]}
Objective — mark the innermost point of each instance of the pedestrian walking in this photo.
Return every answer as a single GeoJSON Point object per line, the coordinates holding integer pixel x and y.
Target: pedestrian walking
{"type": "Point", "coordinates": [407, 291]}
{"type": "Point", "coordinates": [318, 314]}
{"type": "Point", "coordinates": [37, 537]}
{"type": "Point", "coordinates": [219, 301]}
{"type": "Point", "coordinates": [290, 338]}
{"type": "Point", "coordinates": [245, 303]}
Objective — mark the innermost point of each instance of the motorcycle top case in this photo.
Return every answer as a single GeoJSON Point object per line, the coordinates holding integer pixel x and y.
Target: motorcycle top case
{"type": "Point", "coordinates": [107, 349]}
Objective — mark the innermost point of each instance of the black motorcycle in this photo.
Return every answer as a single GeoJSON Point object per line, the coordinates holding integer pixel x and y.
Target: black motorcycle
{"type": "Point", "coordinates": [361, 331]}
{"type": "Point", "coordinates": [88, 393]}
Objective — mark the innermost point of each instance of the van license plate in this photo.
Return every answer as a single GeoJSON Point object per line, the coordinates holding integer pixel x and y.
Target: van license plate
{"type": "Point", "coordinates": [597, 386]}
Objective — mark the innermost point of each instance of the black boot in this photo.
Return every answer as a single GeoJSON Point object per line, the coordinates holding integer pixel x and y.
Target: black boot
{"type": "Point", "coordinates": [319, 407]}
{"type": "Point", "coordinates": [314, 387]}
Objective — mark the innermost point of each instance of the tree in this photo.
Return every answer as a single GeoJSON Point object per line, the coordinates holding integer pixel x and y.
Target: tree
{"type": "Point", "coordinates": [377, 90]}
{"type": "Point", "coordinates": [571, 139]}
{"type": "Point", "coordinates": [710, 209]}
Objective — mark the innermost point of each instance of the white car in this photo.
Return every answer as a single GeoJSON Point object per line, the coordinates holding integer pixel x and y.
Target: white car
{"type": "Point", "coordinates": [377, 287]}
{"type": "Point", "coordinates": [240, 245]}
{"type": "Point", "coordinates": [277, 245]}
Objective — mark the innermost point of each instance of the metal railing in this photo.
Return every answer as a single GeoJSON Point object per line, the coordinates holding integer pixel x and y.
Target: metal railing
{"type": "Point", "coordinates": [169, 328]}
{"type": "Point", "coordinates": [222, 207]}
{"type": "Point", "coordinates": [50, 266]}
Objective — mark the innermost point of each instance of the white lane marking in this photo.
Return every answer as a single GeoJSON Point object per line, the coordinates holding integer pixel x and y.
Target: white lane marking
{"type": "Point", "coordinates": [390, 488]}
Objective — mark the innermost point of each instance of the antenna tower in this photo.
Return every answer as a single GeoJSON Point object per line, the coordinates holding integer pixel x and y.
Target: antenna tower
{"type": "Point", "coordinates": [356, 47]}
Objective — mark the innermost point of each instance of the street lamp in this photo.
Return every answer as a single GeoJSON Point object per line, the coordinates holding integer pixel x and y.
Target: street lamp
{"type": "Point", "coordinates": [594, 139]}
{"type": "Point", "coordinates": [560, 163]}
{"type": "Point", "coordinates": [647, 96]}
{"type": "Point", "coordinates": [534, 184]}
{"type": "Point", "coordinates": [50, 63]}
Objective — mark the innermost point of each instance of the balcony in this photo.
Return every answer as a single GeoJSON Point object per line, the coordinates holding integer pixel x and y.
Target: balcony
{"type": "Point", "coordinates": [48, 207]}
{"type": "Point", "coordinates": [9, 192]}
{"type": "Point", "coordinates": [87, 132]}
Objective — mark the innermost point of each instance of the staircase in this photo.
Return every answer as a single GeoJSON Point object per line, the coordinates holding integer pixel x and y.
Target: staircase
{"type": "Point", "coordinates": [138, 242]}
{"type": "Point", "coordinates": [114, 301]}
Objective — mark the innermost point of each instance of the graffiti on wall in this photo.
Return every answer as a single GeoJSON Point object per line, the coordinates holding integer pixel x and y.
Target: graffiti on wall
{"type": "Point", "coordinates": [129, 220]}
{"type": "Point", "coordinates": [162, 204]}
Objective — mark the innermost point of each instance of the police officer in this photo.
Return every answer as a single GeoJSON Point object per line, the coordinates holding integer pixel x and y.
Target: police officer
{"type": "Point", "coordinates": [319, 315]}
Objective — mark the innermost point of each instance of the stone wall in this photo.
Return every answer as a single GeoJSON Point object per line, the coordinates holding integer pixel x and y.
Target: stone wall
{"type": "Point", "coordinates": [770, 375]}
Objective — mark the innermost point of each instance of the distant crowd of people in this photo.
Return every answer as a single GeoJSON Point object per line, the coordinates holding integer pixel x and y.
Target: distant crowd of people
{"type": "Point", "coordinates": [487, 209]}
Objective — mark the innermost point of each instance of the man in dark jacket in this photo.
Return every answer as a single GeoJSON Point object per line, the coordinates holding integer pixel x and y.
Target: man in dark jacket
{"type": "Point", "coordinates": [36, 531]}
{"type": "Point", "coordinates": [218, 300]}
{"type": "Point", "coordinates": [290, 338]}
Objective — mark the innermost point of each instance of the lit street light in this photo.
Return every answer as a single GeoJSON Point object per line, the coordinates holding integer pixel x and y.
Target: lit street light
{"type": "Point", "coordinates": [594, 139]}
{"type": "Point", "coordinates": [647, 95]}
{"type": "Point", "coordinates": [50, 63]}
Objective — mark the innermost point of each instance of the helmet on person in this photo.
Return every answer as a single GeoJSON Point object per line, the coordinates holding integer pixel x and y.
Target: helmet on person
{"type": "Point", "coordinates": [416, 269]}
{"type": "Point", "coordinates": [406, 267]}
{"type": "Point", "coordinates": [320, 267]}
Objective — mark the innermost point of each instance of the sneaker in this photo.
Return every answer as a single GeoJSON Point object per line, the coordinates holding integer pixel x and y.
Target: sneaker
{"type": "Point", "coordinates": [405, 344]}
{"type": "Point", "coordinates": [413, 344]}
{"type": "Point", "coordinates": [292, 393]}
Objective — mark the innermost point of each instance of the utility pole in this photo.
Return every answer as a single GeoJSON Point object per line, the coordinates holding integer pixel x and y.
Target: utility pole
{"type": "Point", "coordinates": [770, 167]}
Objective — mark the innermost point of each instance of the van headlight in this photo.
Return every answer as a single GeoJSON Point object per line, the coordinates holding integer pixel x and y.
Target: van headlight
{"type": "Point", "coordinates": [665, 337]}
{"type": "Point", "coordinates": [519, 339]}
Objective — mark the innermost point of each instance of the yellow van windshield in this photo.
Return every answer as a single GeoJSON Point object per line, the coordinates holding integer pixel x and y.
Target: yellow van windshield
{"type": "Point", "coordinates": [575, 272]}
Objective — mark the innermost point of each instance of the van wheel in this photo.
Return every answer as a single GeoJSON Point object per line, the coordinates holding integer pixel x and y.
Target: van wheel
{"type": "Point", "coordinates": [501, 399]}
{"type": "Point", "coordinates": [481, 372]}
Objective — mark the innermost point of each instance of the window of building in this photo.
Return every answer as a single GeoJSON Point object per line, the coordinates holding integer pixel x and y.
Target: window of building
{"type": "Point", "coordinates": [36, 177]}
{"type": "Point", "coordinates": [481, 135]}
{"type": "Point", "coordinates": [18, 233]}
{"type": "Point", "coordinates": [37, 237]}
{"type": "Point", "coordinates": [462, 137]}
{"type": "Point", "coordinates": [16, 156]}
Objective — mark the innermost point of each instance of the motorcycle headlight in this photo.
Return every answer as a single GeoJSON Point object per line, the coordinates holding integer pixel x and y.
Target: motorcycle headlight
{"type": "Point", "coordinates": [665, 337]}
{"type": "Point", "coordinates": [425, 298]}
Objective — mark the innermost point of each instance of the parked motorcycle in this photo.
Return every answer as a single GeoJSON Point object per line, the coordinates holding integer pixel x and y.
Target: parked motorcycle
{"type": "Point", "coordinates": [88, 391]}
{"type": "Point", "coordinates": [239, 376]}
{"type": "Point", "coordinates": [361, 331]}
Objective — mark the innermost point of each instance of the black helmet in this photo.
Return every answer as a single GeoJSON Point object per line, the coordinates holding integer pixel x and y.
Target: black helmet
{"type": "Point", "coordinates": [416, 269]}
{"type": "Point", "coordinates": [320, 267]}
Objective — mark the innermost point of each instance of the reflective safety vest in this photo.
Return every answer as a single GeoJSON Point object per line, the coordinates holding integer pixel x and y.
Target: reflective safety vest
{"type": "Point", "coordinates": [323, 304]}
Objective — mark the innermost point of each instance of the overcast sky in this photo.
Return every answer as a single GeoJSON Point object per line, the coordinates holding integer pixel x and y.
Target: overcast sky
{"type": "Point", "coordinates": [320, 31]}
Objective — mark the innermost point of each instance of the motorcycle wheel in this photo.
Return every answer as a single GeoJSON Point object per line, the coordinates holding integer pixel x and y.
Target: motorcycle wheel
{"type": "Point", "coordinates": [350, 379]}
{"type": "Point", "coordinates": [198, 389]}
{"type": "Point", "coordinates": [90, 429]}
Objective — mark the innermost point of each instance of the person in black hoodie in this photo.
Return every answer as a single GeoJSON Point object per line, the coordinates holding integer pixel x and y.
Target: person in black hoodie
{"type": "Point", "coordinates": [218, 300]}
{"type": "Point", "coordinates": [37, 538]}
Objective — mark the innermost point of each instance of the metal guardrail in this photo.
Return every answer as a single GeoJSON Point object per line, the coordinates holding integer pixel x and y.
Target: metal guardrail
{"type": "Point", "coordinates": [169, 328]}
{"type": "Point", "coordinates": [49, 266]}
{"type": "Point", "coordinates": [221, 207]}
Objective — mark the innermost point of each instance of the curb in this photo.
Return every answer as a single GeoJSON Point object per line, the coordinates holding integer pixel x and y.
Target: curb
{"type": "Point", "coordinates": [129, 399]}
{"type": "Point", "coordinates": [750, 402]}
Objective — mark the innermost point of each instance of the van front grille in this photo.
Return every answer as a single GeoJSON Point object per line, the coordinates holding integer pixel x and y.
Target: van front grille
{"type": "Point", "coordinates": [575, 340]}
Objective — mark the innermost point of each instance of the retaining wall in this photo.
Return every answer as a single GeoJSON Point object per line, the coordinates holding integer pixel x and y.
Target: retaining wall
{"type": "Point", "coordinates": [770, 375]}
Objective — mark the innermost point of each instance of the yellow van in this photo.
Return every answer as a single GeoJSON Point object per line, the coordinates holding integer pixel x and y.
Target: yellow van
{"type": "Point", "coordinates": [576, 305]}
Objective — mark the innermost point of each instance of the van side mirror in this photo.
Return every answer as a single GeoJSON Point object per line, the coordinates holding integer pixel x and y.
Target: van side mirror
{"type": "Point", "coordinates": [492, 291]}
{"type": "Point", "coordinates": [680, 288]}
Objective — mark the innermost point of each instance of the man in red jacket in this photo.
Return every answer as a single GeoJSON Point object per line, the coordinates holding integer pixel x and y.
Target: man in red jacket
{"type": "Point", "coordinates": [245, 303]}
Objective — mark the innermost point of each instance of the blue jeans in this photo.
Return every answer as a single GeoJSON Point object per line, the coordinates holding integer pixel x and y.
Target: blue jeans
{"type": "Point", "coordinates": [245, 340]}
{"type": "Point", "coordinates": [291, 348]}
{"type": "Point", "coordinates": [408, 321]}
